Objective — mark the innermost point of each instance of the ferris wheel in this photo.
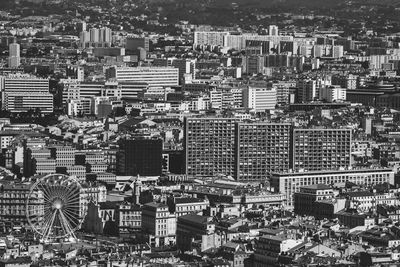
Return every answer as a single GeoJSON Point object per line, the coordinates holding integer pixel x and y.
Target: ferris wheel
{"type": "Point", "coordinates": [52, 207]}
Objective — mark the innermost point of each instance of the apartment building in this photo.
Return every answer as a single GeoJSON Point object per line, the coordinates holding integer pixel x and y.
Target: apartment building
{"type": "Point", "coordinates": [261, 148]}
{"type": "Point", "coordinates": [210, 146]}
{"type": "Point", "coordinates": [321, 149]}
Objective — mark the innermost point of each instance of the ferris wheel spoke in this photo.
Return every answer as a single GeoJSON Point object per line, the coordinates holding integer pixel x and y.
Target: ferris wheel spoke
{"type": "Point", "coordinates": [69, 229]}
{"type": "Point", "coordinates": [48, 226]}
{"type": "Point", "coordinates": [45, 196]}
{"type": "Point", "coordinates": [71, 216]}
{"type": "Point", "coordinates": [43, 217]}
{"type": "Point", "coordinates": [73, 213]}
{"type": "Point", "coordinates": [72, 204]}
{"type": "Point", "coordinates": [58, 193]}
{"type": "Point", "coordinates": [44, 188]}
{"type": "Point", "coordinates": [48, 218]}
{"type": "Point", "coordinates": [62, 192]}
{"type": "Point", "coordinates": [73, 187]}
{"type": "Point", "coordinates": [68, 188]}
{"type": "Point", "coordinates": [47, 214]}
{"type": "Point", "coordinates": [72, 194]}
{"type": "Point", "coordinates": [71, 224]}
{"type": "Point", "coordinates": [63, 224]}
{"type": "Point", "coordinates": [46, 192]}
{"type": "Point", "coordinates": [72, 209]}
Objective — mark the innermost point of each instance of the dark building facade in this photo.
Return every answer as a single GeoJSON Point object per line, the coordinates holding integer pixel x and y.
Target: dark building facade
{"type": "Point", "coordinates": [133, 43]}
{"type": "Point", "coordinates": [140, 157]}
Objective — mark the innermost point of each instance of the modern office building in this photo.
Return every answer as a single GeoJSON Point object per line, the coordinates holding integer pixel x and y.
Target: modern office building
{"type": "Point", "coordinates": [289, 183]}
{"type": "Point", "coordinates": [64, 155]}
{"type": "Point", "coordinates": [22, 102]}
{"type": "Point", "coordinates": [153, 76]}
{"type": "Point", "coordinates": [21, 93]}
{"type": "Point", "coordinates": [261, 148]}
{"type": "Point", "coordinates": [132, 89]}
{"type": "Point", "coordinates": [14, 58]}
{"type": "Point", "coordinates": [140, 157]}
{"type": "Point", "coordinates": [321, 149]}
{"type": "Point", "coordinates": [210, 146]}
{"type": "Point", "coordinates": [75, 90]}
{"type": "Point", "coordinates": [307, 90]}
{"type": "Point", "coordinates": [259, 99]}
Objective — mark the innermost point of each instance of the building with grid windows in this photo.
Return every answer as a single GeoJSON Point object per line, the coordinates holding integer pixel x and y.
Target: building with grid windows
{"type": "Point", "coordinates": [210, 146]}
{"type": "Point", "coordinates": [209, 38]}
{"type": "Point", "coordinates": [153, 76]}
{"type": "Point", "coordinates": [252, 151]}
{"type": "Point", "coordinates": [290, 182]}
{"type": "Point", "coordinates": [23, 92]}
{"type": "Point", "coordinates": [13, 205]}
{"type": "Point", "coordinates": [321, 149]}
{"type": "Point", "coordinates": [262, 148]}
{"type": "Point", "coordinates": [259, 99]}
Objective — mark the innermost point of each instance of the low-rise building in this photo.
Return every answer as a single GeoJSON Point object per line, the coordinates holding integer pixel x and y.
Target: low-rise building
{"type": "Point", "coordinates": [290, 182]}
{"type": "Point", "coordinates": [183, 206]}
{"type": "Point", "coordinates": [268, 248]}
{"type": "Point", "coordinates": [195, 232]}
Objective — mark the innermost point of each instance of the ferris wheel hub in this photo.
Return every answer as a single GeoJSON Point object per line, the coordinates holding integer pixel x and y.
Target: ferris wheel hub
{"type": "Point", "coordinates": [57, 204]}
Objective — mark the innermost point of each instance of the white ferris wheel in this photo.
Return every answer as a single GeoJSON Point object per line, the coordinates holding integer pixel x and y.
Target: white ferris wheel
{"type": "Point", "coordinates": [53, 207]}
